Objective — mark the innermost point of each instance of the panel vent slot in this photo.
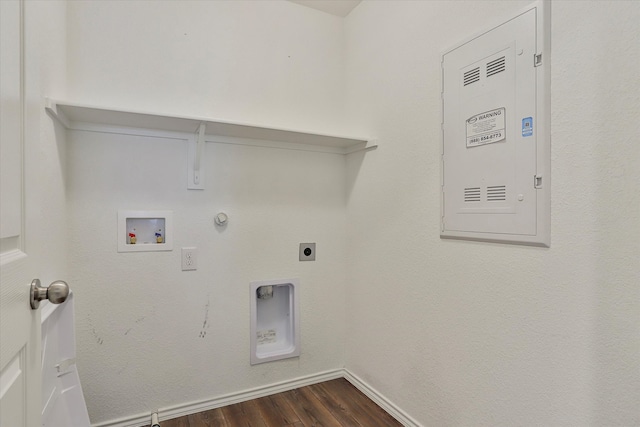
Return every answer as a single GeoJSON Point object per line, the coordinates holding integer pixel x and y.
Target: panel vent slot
{"type": "Point", "coordinates": [496, 66]}
{"type": "Point", "coordinates": [497, 193]}
{"type": "Point", "coordinates": [472, 194]}
{"type": "Point", "coordinates": [471, 76]}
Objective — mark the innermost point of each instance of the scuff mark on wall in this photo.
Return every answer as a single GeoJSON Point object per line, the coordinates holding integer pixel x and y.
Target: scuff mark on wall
{"type": "Point", "coordinates": [98, 339]}
{"type": "Point", "coordinates": [205, 326]}
{"type": "Point", "coordinates": [138, 321]}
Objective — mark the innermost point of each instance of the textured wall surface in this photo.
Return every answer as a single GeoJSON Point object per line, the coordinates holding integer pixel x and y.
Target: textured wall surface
{"type": "Point", "coordinates": [455, 333]}
{"type": "Point", "coordinates": [168, 337]}
{"type": "Point", "coordinates": [459, 333]}
{"type": "Point", "coordinates": [150, 335]}
{"type": "Point", "coordinates": [261, 62]}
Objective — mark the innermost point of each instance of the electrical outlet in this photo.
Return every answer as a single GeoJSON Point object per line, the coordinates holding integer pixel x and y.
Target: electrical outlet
{"type": "Point", "coordinates": [189, 259]}
{"type": "Point", "coordinates": [307, 252]}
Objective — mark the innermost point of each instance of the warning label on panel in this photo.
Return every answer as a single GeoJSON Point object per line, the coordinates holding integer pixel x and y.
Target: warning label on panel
{"type": "Point", "coordinates": [266, 336]}
{"type": "Point", "coordinates": [486, 128]}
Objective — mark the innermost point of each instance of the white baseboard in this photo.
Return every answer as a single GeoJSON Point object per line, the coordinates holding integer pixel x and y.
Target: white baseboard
{"type": "Point", "coordinates": [132, 421]}
{"type": "Point", "coordinates": [382, 401]}
{"type": "Point", "coordinates": [257, 392]}
{"type": "Point", "coordinates": [228, 399]}
{"type": "Point", "coordinates": [243, 396]}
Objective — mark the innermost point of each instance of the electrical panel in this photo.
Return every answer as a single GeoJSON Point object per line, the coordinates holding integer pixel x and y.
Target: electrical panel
{"type": "Point", "coordinates": [496, 144]}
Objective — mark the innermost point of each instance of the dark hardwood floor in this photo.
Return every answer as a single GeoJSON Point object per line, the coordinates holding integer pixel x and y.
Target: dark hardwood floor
{"type": "Point", "coordinates": [334, 403]}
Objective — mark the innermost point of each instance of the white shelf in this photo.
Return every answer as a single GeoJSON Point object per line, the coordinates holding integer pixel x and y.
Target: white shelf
{"type": "Point", "coordinates": [112, 120]}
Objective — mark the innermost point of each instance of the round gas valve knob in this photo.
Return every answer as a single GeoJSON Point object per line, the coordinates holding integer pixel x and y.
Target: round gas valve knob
{"type": "Point", "coordinates": [221, 218]}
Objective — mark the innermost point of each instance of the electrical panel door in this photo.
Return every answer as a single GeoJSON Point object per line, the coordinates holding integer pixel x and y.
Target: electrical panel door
{"type": "Point", "coordinates": [495, 154]}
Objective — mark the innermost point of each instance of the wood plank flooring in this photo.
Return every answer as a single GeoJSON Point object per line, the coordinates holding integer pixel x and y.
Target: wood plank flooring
{"type": "Point", "coordinates": [334, 403]}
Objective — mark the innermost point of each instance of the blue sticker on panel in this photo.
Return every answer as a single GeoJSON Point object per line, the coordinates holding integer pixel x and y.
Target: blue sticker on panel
{"type": "Point", "coordinates": [527, 126]}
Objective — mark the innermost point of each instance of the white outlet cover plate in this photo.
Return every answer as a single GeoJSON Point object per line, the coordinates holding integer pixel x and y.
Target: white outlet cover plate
{"type": "Point", "coordinates": [189, 262]}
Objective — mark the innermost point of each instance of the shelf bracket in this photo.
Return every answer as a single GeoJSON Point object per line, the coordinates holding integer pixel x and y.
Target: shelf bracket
{"type": "Point", "coordinates": [196, 149]}
{"type": "Point", "coordinates": [199, 145]}
{"type": "Point", "coordinates": [52, 109]}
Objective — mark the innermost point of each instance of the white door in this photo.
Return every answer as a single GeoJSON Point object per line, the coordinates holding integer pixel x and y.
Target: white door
{"type": "Point", "coordinates": [20, 345]}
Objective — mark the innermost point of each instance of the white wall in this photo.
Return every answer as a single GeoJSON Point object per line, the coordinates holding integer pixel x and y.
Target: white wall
{"type": "Point", "coordinates": [261, 62]}
{"type": "Point", "coordinates": [460, 333]}
{"type": "Point", "coordinates": [454, 333]}
{"type": "Point", "coordinates": [163, 337]}
{"type": "Point", "coordinates": [149, 335]}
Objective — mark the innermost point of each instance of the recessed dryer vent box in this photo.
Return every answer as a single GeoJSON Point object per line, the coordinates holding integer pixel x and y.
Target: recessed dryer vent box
{"type": "Point", "coordinates": [145, 231]}
{"type": "Point", "coordinates": [496, 143]}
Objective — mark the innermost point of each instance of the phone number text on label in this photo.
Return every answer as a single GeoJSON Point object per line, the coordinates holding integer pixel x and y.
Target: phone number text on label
{"type": "Point", "coordinates": [484, 139]}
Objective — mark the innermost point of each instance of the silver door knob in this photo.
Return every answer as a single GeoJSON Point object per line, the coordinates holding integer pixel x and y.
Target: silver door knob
{"type": "Point", "coordinates": [56, 293]}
